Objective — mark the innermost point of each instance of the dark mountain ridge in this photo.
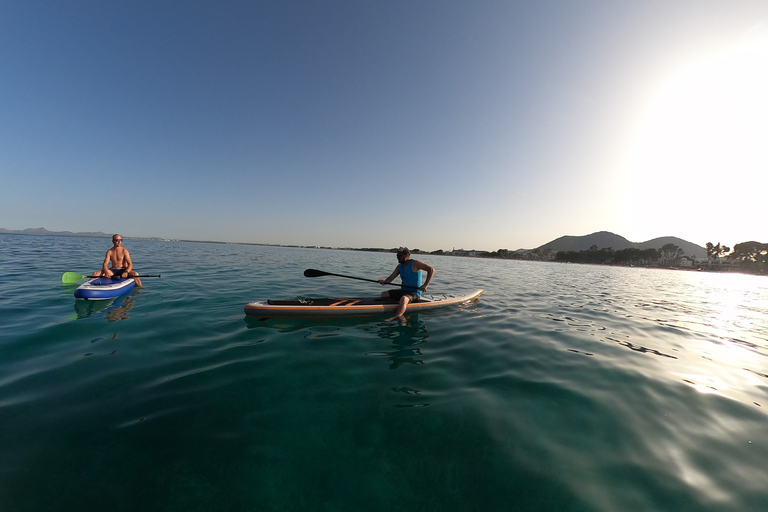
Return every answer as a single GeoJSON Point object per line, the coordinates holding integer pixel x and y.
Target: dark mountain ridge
{"type": "Point", "coordinates": [605, 239]}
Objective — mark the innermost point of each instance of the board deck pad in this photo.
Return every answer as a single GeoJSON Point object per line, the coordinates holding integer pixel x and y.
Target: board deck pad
{"type": "Point", "coordinates": [331, 302]}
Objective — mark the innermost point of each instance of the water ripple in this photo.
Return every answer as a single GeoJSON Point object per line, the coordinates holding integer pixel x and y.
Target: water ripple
{"type": "Point", "coordinates": [566, 387]}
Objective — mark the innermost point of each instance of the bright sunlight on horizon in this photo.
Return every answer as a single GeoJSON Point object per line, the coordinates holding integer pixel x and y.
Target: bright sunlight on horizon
{"type": "Point", "coordinates": [701, 142]}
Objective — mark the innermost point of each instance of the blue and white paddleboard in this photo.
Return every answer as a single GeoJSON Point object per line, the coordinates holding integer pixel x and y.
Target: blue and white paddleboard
{"type": "Point", "coordinates": [102, 288]}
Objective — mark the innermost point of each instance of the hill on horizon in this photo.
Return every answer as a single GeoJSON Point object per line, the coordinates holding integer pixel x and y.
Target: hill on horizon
{"type": "Point", "coordinates": [45, 232]}
{"type": "Point", "coordinates": [605, 239]}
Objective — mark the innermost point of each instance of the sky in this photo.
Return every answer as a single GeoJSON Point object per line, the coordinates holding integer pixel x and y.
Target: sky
{"type": "Point", "coordinates": [475, 124]}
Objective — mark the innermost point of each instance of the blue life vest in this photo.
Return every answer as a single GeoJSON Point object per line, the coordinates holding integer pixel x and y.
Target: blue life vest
{"type": "Point", "coordinates": [411, 279]}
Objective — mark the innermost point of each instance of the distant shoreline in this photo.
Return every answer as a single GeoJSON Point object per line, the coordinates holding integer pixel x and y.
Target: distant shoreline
{"type": "Point", "coordinates": [70, 234]}
{"type": "Point", "coordinates": [502, 254]}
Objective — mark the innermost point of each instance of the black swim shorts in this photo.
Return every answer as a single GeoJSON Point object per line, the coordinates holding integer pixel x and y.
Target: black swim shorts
{"type": "Point", "coordinates": [396, 294]}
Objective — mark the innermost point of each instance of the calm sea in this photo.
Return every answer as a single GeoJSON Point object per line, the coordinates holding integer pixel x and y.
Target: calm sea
{"type": "Point", "coordinates": [564, 388]}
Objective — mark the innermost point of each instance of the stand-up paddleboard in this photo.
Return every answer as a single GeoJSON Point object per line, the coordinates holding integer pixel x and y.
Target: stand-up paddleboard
{"type": "Point", "coordinates": [350, 307]}
{"type": "Point", "coordinates": [102, 288]}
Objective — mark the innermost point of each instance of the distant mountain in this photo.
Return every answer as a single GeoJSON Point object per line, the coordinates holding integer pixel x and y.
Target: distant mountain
{"type": "Point", "coordinates": [689, 249]}
{"type": "Point", "coordinates": [583, 243]}
{"type": "Point", "coordinates": [604, 239]}
{"type": "Point", "coordinates": [45, 232]}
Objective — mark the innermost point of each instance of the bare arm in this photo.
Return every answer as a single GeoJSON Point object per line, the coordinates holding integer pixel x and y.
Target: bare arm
{"type": "Point", "coordinates": [391, 277]}
{"type": "Point", "coordinates": [127, 259]}
{"type": "Point", "coordinates": [105, 264]}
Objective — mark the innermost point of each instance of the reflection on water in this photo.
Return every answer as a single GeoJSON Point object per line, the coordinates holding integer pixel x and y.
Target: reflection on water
{"type": "Point", "coordinates": [404, 341]}
{"type": "Point", "coordinates": [112, 337]}
{"type": "Point", "coordinates": [602, 333]}
{"type": "Point", "coordinates": [113, 310]}
{"type": "Point", "coordinates": [406, 336]}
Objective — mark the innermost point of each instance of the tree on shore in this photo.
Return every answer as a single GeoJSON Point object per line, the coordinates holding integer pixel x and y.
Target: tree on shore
{"type": "Point", "coordinates": [671, 254]}
{"type": "Point", "coordinates": [607, 256]}
{"type": "Point", "coordinates": [714, 252]}
{"type": "Point", "coordinates": [751, 256]}
{"type": "Point", "coordinates": [750, 251]}
{"type": "Point", "coordinates": [503, 254]}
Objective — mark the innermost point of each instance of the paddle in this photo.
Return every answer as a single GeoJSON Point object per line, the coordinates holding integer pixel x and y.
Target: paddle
{"type": "Point", "coordinates": [311, 272]}
{"type": "Point", "coordinates": [73, 277]}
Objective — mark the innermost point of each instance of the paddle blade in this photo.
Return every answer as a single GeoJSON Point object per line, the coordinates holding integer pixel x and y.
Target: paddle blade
{"type": "Point", "coordinates": [71, 277]}
{"type": "Point", "coordinates": [310, 272]}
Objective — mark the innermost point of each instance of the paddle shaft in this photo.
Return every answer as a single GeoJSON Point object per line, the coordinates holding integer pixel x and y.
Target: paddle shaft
{"type": "Point", "coordinates": [116, 277]}
{"type": "Point", "coordinates": [319, 273]}
{"type": "Point", "coordinates": [73, 277]}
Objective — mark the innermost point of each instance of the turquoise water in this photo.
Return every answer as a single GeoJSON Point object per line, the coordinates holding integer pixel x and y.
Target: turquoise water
{"type": "Point", "coordinates": [564, 388]}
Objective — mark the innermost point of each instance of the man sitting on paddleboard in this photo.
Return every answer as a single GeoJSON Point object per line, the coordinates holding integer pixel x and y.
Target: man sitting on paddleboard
{"type": "Point", "coordinates": [410, 274]}
{"type": "Point", "coordinates": [117, 261]}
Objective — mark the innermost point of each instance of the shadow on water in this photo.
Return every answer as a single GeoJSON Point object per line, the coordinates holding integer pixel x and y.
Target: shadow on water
{"type": "Point", "coordinates": [405, 334]}
{"type": "Point", "coordinates": [398, 343]}
{"type": "Point", "coordinates": [405, 337]}
{"type": "Point", "coordinates": [113, 310]}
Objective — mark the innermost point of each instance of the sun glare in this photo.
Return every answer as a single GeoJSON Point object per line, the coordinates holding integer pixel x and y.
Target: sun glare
{"type": "Point", "coordinates": [703, 131]}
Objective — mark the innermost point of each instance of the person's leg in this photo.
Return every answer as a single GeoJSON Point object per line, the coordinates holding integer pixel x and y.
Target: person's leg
{"type": "Point", "coordinates": [133, 274]}
{"type": "Point", "coordinates": [404, 300]}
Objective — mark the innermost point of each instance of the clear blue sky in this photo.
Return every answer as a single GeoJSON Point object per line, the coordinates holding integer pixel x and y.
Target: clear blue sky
{"type": "Point", "coordinates": [431, 124]}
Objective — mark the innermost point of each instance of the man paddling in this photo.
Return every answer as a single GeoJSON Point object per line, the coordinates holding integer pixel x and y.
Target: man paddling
{"type": "Point", "coordinates": [410, 274]}
{"type": "Point", "coordinates": [118, 261]}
